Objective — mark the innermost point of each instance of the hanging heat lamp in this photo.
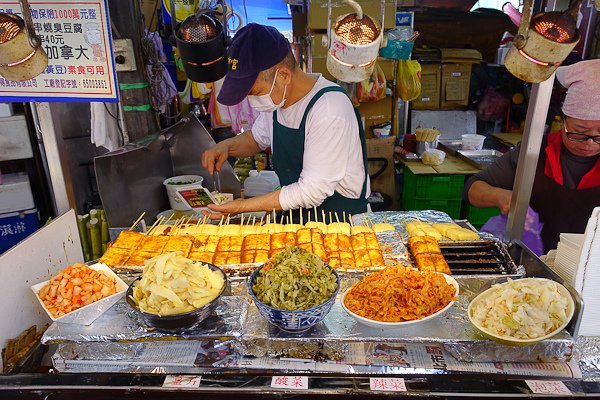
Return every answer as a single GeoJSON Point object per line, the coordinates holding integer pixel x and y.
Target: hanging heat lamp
{"type": "Point", "coordinates": [354, 41]}
{"type": "Point", "coordinates": [543, 42]}
{"type": "Point", "coordinates": [21, 54]}
{"type": "Point", "coordinates": [202, 42]}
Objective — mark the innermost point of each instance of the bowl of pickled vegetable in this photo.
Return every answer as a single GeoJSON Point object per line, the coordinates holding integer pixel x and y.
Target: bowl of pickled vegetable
{"type": "Point", "coordinates": [294, 290]}
{"type": "Point", "coordinates": [175, 294]}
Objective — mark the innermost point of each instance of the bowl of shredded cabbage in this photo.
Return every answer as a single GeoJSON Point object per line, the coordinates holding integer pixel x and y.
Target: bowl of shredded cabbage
{"type": "Point", "coordinates": [175, 294]}
{"type": "Point", "coordinates": [294, 290]}
{"type": "Point", "coordinates": [522, 312]}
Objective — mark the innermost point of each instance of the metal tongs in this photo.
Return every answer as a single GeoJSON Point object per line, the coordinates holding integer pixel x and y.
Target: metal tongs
{"type": "Point", "coordinates": [217, 181]}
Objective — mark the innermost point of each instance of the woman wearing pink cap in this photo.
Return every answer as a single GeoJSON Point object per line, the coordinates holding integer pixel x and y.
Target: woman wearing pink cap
{"type": "Point", "coordinates": [567, 182]}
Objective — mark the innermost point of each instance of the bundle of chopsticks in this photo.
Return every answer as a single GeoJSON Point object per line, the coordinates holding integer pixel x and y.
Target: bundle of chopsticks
{"type": "Point", "coordinates": [427, 134]}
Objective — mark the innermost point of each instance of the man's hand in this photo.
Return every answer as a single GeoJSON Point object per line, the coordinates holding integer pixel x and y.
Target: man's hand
{"type": "Point", "coordinates": [230, 208]}
{"type": "Point", "coordinates": [213, 158]}
{"type": "Point", "coordinates": [266, 202]}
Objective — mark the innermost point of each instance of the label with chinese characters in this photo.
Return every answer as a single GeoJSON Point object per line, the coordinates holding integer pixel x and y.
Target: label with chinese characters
{"type": "Point", "coordinates": [17, 228]}
{"type": "Point", "coordinates": [289, 382]}
{"type": "Point", "coordinates": [387, 384]}
{"type": "Point", "coordinates": [548, 387]}
{"type": "Point", "coordinates": [189, 381]}
{"type": "Point", "coordinates": [75, 35]}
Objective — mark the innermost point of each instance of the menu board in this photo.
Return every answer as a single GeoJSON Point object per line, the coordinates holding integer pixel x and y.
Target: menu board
{"type": "Point", "coordinates": [76, 37]}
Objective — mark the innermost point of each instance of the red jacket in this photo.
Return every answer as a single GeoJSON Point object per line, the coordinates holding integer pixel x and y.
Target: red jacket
{"type": "Point", "coordinates": [553, 168]}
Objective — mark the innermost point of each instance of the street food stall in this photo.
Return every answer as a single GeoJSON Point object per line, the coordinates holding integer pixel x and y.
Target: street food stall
{"type": "Point", "coordinates": [236, 349]}
{"type": "Point", "coordinates": [150, 298]}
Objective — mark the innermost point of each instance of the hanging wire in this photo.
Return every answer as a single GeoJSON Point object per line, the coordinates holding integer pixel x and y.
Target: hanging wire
{"type": "Point", "coordinates": [154, 75]}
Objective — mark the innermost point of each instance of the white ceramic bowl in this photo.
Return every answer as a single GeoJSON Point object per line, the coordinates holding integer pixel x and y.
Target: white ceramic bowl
{"type": "Point", "coordinates": [87, 314]}
{"type": "Point", "coordinates": [387, 325]}
{"type": "Point", "coordinates": [514, 341]}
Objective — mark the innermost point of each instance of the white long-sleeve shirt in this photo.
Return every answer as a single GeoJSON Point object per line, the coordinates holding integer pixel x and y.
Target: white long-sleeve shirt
{"type": "Point", "coordinates": [332, 149]}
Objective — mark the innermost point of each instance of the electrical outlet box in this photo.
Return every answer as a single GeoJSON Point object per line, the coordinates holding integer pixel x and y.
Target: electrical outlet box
{"type": "Point", "coordinates": [124, 55]}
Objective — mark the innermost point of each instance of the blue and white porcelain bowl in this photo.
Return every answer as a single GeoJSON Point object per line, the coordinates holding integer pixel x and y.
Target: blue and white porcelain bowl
{"type": "Point", "coordinates": [293, 320]}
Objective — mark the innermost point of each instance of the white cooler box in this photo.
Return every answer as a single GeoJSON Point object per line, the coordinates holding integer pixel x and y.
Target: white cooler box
{"type": "Point", "coordinates": [15, 193]}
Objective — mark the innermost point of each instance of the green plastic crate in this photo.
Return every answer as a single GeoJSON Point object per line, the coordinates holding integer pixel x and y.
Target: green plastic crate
{"type": "Point", "coordinates": [479, 216]}
{"type": "Point", "coordinates": [450, 207]}
{"type": "Point", "coordinates": [433, 187]}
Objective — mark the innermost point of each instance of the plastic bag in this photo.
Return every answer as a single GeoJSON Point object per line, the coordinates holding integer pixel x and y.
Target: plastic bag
{"type": "Point", "coordinates": [433, 157]}
{"type": "Point", "coordinates": [399, 43]}
{"type": "Point", "coordinates": [409, 79]}
{"type": "Point", "coordinates": [493, 105]}
{"type": "Point", "coordinates": [531, 233]}
{"type": "Point", "coordinates": [372, 89]}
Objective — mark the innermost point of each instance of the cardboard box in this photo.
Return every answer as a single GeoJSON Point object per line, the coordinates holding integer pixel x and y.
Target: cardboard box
{"type": "Point", "coordinates": [319, 66]}
{"type": "Point", "coordinates": [456, 80]}
{"type": "Point", "coordinates": [317, 12]}
{"type": "Point", "coordinates": [429, 99]}
{"type": "Point", "coordinates": [456, 76]}
{"type": "Point", "coordinates": [374, 113]}
{"type": "Point", "coordinates": [386, 182]}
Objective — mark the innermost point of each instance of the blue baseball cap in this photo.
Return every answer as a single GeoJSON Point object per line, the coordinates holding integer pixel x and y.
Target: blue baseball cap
{"type": "Point", "coordinates": [254, 48]}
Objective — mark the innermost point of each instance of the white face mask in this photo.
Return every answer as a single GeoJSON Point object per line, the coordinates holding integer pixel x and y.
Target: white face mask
{"type": "Point", "coordinates": [264, 103]}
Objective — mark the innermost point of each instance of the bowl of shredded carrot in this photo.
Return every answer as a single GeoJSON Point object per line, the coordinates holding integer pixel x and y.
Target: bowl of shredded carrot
{"type": "Point", "coordinates": [399, 296]}
{"type": "Point", "coordinates": [80, 294]}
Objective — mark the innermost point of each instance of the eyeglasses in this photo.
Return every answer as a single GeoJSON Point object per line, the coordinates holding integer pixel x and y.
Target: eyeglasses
{"type": "Point", "coordinates": [580, 137]}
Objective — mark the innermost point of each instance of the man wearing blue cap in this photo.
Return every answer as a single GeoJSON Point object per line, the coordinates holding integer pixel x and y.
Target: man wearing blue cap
{"type": "Point", "coordinates": [314, 132]}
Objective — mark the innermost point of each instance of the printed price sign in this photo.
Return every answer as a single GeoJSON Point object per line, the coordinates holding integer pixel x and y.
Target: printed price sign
{"type": "Point", "coordinates": [289, 382]}
{"type": "Point", "coordinates": [76, 37]}
{"type": "Point", "coordinates": [548, 387]}
{"type": "Point", "coordinates": [179, 381]}
{"type": "Point", "coordinates": [388, 384]}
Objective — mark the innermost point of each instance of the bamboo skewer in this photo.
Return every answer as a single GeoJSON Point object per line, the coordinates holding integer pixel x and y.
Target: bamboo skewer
{"type": "Point", "coordinates": [137, 220]}
{"type": "Point", "coordinates": [154, 225]}
{"type": "Point", "coordinates": [301, 217]}
{"type": "Point", "coordinates": [336, 217]}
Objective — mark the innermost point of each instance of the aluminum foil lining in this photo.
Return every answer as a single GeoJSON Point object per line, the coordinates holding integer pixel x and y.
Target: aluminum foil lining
{"type": "Point", "coordinates": [122, 323]}
{"type": "Point", "coordinates": [181, 356]}
{"type": "Point", "coordinates": [587, 353]}
{"type": "Point", "coordinates": [399, 219]}
{"type": "Point", "coordinates": [451, 329]}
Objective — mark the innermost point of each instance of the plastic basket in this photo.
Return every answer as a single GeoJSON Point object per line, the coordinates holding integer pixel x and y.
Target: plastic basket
{"type": "Point", "coordinates": [450, 207]}
{"type": "Point", "coordinates": [433, 187]}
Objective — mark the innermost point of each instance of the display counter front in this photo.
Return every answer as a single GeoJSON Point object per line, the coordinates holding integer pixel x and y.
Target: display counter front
{"type": "Point", "coordinates": [236, 353]}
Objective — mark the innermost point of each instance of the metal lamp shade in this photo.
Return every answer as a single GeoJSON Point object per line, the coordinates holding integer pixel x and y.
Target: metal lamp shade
{"type": "Point", "coordinates": [202, 46]}
{"type": "Point", "coordinates": [354, 47]}
{"type": "Point", "coordinates": [542, 44]}
{"type": "Point", "coordinates": [19, 59]}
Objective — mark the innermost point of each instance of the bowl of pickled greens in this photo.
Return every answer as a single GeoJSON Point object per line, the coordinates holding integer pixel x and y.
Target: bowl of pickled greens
{"type": "Point", "coordinates": [294, 290]}
{"type": "Point", "coordinates": [522, 312]}
{"type": "Point", "coordinates": [175, 294]}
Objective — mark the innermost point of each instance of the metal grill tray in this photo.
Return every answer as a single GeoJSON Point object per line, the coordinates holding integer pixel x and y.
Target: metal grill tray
{"type": "Point", "coordinates": [487, 257]}
{"type": "Point", "coordinates": [479, 158]}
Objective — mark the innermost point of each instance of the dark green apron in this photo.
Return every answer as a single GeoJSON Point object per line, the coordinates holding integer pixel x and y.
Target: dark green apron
{"type": "Point", "coordinates": [288, 154]}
